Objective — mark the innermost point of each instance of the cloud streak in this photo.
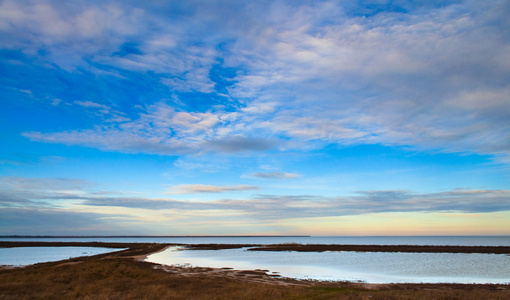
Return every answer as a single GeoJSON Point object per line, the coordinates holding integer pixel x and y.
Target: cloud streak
{"type": "Point", "coordinates": [276, 175]}
{"type": "Point", "coordinates": [202, 188]}
{"type": "Point", "coordinates": [270, 207]}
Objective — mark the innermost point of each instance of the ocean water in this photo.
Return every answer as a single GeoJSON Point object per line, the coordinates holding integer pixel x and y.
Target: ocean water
{"type": "Point", "coordinates": [22, 256]}
{"type": "Point", "coordinates": [264, 240]}
{"type": "Point", "coordinates": [370, 267]}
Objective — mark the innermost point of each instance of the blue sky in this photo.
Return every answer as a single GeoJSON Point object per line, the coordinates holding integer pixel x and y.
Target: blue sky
{"type": "Point", "coordinates": [255, 117]}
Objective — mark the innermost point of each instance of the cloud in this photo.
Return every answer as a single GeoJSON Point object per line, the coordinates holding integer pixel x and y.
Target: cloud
{"type": "Point", "coordinates": [276, 175]}
{"type": "Point", "coordinates": [112, 140]}
{"type": "Point", "coordinates": [18, 192]}
{"type": "Point", "coordinates": [68, 32]}
{"type": "Point", "coordinates": [201, 188]}
{"type": "Point", "coordinates": [270, 207]}
{"type": "Point", "coordinates": [469, 201]}
{"type": "Point", "coordinates": [27, 221]}
{"type": "Point", "coordinates": [240, 144]}
{"type": "Point", "coordinates": [210, 163]}
{"type": "Point", "coordinates": [92, 104]}
{"type": "Point", "coordinates": [196, 81]}
{"type": "Point", "coordinates": [433, 77]}
{"type": "Point", "coordinates": [161, 130]}
{"type": "Point", "coordinates": [139, 203]}
{"type": "Point", "coordinates": [45, 190]}
{"type": "Point", "coordinates": [309, 128]}
{"type": "Point", "coordinates": [259, 108]}
{"type": "Point", "coordinates": [53, 184]}
{"type": "Point", "coordinates": [395, 79]}
{"type": "Point", "coordinates": [68, 198]}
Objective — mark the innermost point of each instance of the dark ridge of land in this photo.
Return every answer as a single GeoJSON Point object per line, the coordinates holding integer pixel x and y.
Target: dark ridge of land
{"type": "Point", "coordinates": [141, 236]}
{"type": "Point", "coordinates": [385, 248]}
{"type": "Point", "coordinates": [276, 247]}
{"type": "Point", "coordinates": [358, 248]}
{"type": "Point", "coordinates": [218, 246]}
{"type": "Point", "coordinates": [132, 246]}
{"type": "Point", "coordinates": [121, 275]}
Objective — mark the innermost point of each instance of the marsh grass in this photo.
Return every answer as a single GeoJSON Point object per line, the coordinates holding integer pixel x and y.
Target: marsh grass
{"type": "Point", "coordinates": [125, 279]}
{"type": "Point", "coordinates": [122, 278]}
{"type": "Point", "coordinates": [117, 276]}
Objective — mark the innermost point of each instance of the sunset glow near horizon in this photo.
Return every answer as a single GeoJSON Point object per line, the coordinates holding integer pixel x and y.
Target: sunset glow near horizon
{"type": "Point", "coordinates": [255, 117]}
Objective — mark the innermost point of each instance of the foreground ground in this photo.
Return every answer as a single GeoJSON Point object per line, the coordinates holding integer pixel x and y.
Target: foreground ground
{"type": "Point", "coordinates": [122, 275]}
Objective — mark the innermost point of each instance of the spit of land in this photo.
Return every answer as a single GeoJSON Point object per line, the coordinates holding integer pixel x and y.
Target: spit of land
{"type": "Point", "coordinates": [124, 275]}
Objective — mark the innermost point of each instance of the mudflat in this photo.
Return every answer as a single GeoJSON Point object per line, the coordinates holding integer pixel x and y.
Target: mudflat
{"type": "Point", "coordinates": [124, 275]}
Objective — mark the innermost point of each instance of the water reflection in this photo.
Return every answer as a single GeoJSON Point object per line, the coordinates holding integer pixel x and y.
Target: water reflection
{"type": "Point", "coordinates": [372, 267]}
{"type": "Point", "coordinates": [22, 256]}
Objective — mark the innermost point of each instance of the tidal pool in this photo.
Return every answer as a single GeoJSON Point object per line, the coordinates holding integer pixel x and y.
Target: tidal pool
{"type": "Point", "coordinates": [371, 267]}
{"type": "Point", "coordinates": [22, 256]}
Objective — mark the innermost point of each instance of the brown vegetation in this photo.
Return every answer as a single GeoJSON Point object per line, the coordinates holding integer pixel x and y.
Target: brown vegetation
{"type": "Point", "coordinates": [218, 246]}
{"type": "Point", "coordinates": [357, 248]}
{"type": "Point", "coordinates": [119, 276]}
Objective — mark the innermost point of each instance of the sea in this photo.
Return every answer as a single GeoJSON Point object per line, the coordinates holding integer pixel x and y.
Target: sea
{"type": "Point", "coordinates": [369, 267]}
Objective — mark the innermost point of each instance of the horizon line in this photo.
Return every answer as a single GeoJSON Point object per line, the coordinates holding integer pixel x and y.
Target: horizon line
{"type": "Point", "coordinates": [233, 236]}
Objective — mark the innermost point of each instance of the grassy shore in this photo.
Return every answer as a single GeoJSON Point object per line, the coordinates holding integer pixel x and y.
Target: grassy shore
{"type": "Point", "coordinates": [121, 275]}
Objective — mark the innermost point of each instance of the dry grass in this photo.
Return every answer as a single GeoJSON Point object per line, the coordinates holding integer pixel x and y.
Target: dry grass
{"type": "Point", "coordinates": [125, 279]}
{"type": "Point", "coordinates": [121, 277]}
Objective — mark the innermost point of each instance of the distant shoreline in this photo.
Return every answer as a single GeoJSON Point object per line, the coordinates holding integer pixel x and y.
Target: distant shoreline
{"type": "Point", "coordinates": [240, 236]}
{"type": "Point", "coordinates": [144, 236]}
{"type": "Point", "coordinates": [279, 247]}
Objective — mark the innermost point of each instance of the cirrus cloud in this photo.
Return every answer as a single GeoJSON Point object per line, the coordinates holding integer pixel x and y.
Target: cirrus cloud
{"type": "Point", "coordinates": [276, 175]}
{"type": "Point", "coordinates": [202, 188]}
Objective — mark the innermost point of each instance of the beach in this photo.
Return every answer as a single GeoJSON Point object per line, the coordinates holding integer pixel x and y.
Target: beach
{"type": "Point", "coordinates": [125, 275]}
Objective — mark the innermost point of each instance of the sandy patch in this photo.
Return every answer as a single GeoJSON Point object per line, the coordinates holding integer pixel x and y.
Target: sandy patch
{"type": "Point", "coordinates": [143, 257]}
{"type": "Point", "coordinates": [259, 276]}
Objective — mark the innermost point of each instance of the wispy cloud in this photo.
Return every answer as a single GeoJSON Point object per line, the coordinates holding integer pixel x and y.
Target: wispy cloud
{"type": "Point", "coordinates": [275, 208]}
{"type": "Point", "coordinates": [163, 130]}
{"type": "Point", "coordinates": [37, 221]}
{"type": "Point", "coordinates": [202, 188]}
{"type": "Point", "coordinates": [28, 204]}
{"type": "Point", "coordinates": [267, 207]}
{"type": "Point", "coordinates": [50, 184]}
{"type": "Point", "coordinates": [276, 175]}
{"type": "Point", "coordinates": [92, 104]}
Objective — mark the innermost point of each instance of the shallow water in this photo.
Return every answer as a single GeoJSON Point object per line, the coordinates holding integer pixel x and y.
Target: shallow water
{"type": "Point", "coordinates": [22, 256]}
{"type": "Point", "coordinates": [371, 267]}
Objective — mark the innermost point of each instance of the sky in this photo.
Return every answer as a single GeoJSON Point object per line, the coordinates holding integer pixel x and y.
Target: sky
{"type": "Point", "coordinates": [364, 118]}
